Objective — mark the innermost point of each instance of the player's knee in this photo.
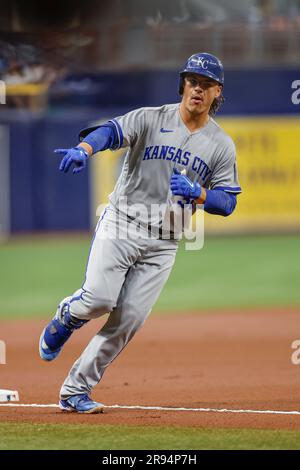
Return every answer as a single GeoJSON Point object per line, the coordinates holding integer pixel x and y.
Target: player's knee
{"type": "Point", "coordinates": [97, 305]}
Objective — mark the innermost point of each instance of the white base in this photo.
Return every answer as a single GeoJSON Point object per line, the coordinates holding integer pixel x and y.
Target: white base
{"type": "Point", "coordinates": [9, 395]}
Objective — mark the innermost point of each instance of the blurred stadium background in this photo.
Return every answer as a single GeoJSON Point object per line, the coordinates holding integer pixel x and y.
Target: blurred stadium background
{"type": "Point", "coordinates": [66, 64]}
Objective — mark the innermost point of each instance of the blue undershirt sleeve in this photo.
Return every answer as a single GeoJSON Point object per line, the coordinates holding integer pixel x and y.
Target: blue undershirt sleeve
{"type": "Point", "coordinates": [102, 138]}
{"type": "Point", "coordinates": [219, 202]}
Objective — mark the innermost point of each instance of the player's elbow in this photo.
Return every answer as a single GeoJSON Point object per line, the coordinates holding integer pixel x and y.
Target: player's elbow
{"type": "Point", "coordinates": [219, 202]}
{"type": "Point", "coordinates": [230, 205]}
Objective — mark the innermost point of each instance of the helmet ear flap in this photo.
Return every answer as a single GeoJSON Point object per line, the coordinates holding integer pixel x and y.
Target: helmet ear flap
{"type": "Point", "coordinates": [181, 84]}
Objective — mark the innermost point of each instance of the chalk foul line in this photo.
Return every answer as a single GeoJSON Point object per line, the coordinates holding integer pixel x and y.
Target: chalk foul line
{"type": "Point", "coordinates": [162, 408]}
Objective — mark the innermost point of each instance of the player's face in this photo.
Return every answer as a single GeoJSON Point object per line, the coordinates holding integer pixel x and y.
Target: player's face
{"type": "Point", "coordinates": [199, 92]}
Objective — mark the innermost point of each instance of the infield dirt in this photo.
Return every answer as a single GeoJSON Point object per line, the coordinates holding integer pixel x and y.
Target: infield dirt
{"type": "Point", "coordinates": [239, 360]}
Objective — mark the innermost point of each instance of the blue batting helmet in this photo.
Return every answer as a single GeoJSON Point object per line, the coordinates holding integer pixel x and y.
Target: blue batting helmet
{"type": "Point", "coordinates": [205, 64]}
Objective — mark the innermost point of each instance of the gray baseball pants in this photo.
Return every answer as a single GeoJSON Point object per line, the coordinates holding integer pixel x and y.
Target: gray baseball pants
{"type": "Point", "coordinates": [124, 278]}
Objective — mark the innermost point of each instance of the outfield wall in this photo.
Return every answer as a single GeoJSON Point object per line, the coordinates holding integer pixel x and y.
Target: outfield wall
{"type": "Point", "coordinates": [268, 150]}
{"type": "Point", "coordinates": [42, 198]}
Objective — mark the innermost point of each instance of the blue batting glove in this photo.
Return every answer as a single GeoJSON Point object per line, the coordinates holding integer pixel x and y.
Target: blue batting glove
{"type": "Point", "coordinates": [181, 185]}
{"type": "Point", "coordinates": [76, 155]}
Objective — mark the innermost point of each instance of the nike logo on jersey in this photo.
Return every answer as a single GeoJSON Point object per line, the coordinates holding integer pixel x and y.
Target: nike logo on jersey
{"type": "Point", "coordinates": [165, 130]}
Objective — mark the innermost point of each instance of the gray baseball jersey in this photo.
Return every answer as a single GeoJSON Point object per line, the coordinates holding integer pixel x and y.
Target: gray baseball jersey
{"type": "Point", "coordinates": [158, 140]}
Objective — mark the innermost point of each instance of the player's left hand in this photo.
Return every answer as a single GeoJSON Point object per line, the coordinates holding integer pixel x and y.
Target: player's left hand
{"type": "Point", "coordinates": [181, 185]}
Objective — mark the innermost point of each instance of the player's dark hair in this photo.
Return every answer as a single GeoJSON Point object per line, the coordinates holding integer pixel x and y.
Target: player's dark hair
{"type": "Point", "coordinates": [216, 104]}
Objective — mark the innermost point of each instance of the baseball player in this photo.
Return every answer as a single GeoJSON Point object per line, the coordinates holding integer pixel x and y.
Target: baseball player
{"type": "Point", "coordinates": [125, 274]}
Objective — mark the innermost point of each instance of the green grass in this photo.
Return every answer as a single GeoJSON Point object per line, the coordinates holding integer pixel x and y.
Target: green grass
{"type": "Point", "coordinates": [35, 275]}
{"type": "Point", "coordinates": [231, 272]}
{"type": "Point", "coordinates": [81, 437]}
{"type": "Point", "coordinates": [236, 272]}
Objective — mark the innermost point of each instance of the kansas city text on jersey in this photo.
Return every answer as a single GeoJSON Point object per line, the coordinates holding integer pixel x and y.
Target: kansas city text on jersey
{"type": "Point", "coordinates": [177, 155]}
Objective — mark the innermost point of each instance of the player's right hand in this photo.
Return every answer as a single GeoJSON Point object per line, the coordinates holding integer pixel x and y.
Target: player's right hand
{"type": "Point", "coordinates": [76, 155]}
{"type": "Point", "coordinates": [181, 185]}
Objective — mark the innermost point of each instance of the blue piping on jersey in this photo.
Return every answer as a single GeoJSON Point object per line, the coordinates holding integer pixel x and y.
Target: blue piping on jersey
{"type": "Point", "coordinates": [96, 230]}
{"type": "Point", "coordinates": [79, 297]}
{"type": "Point", "coordinates": [237, 189]}
{"type": "Point", "coordinates": [119, 132]}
